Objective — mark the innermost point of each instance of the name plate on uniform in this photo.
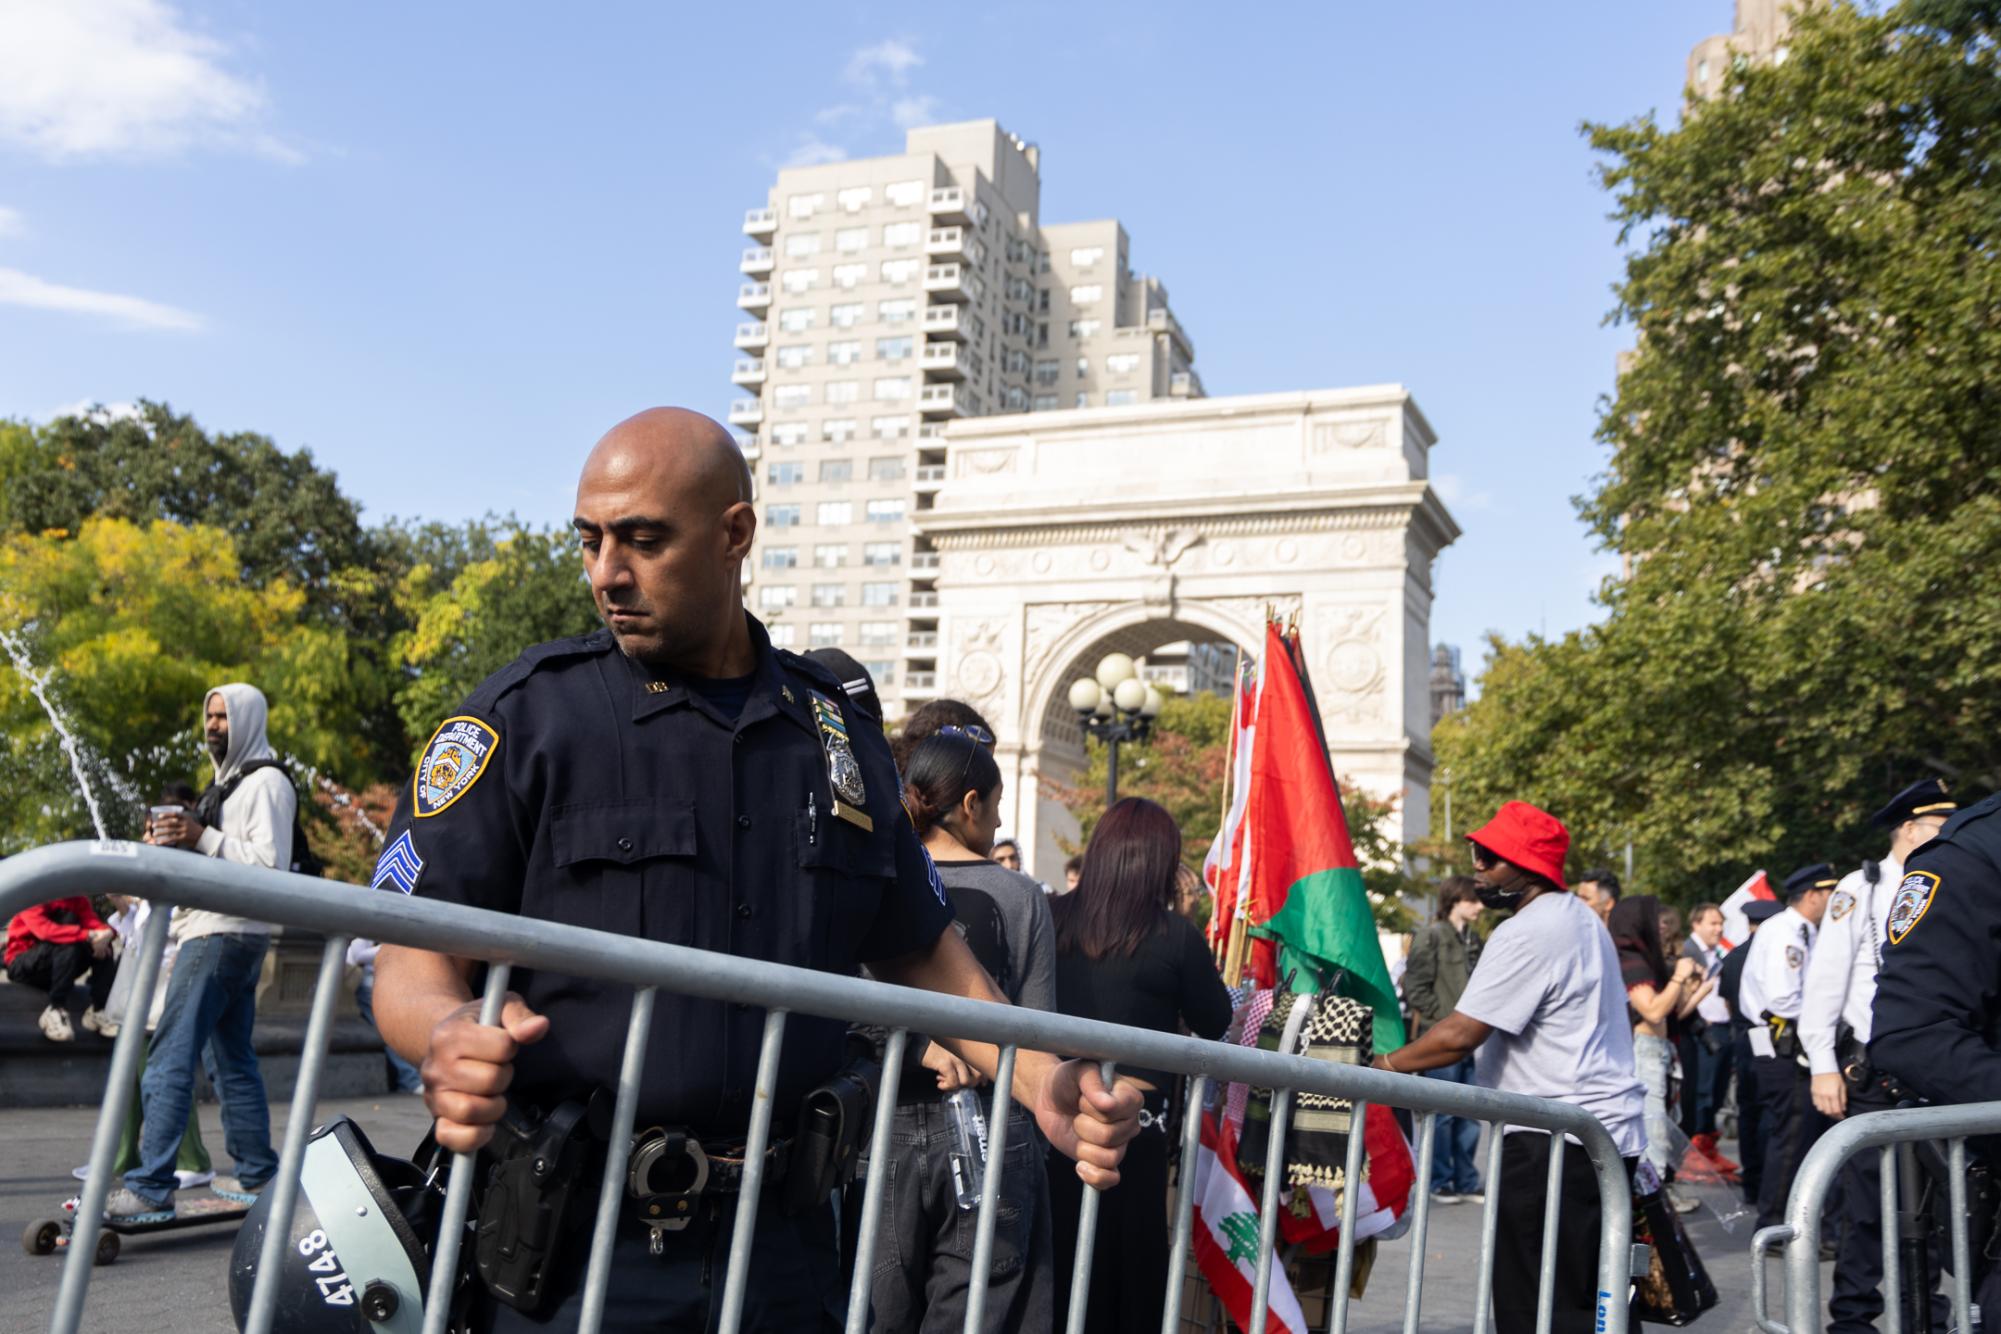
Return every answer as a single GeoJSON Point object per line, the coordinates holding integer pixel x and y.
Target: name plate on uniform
{"type": "Point", "coordinates": [844, 771]}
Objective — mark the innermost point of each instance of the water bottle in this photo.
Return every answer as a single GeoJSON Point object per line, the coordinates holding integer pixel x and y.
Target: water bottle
{"type": "Point", "coordinates": [969, 1146]}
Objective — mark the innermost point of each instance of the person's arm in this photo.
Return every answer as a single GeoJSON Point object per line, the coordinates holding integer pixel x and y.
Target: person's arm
{"type": "Point", "coordinates": [1825, 993]}
{"type": "Point", "coordinates": [1447, 1042]}
{"type": "Point", "coordinates": [1205, 1001]}
{"type": "Point", "coordinates": [1694, 992]}
{"type": "Point", "coordinates": [426, 1011]}
{"type": "Point", "coordinates": [1654, 1006]}
{"type": "Point", "coordinates": [42, 926]}
{"type": "Point", "coordinates": [1420, 976]}
{"type": "Point", "coordinates": [269, 805]}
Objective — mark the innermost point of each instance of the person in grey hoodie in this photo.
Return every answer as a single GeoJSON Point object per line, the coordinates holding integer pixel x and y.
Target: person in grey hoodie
{"type": "Point", "coordinates": [246, 816]}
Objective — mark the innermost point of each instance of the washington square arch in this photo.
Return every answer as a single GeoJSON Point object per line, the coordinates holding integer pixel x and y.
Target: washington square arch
{"type": "Point", "coordinates": [1065, 536]}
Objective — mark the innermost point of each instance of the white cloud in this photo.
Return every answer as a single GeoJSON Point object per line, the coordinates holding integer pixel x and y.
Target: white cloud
{"type": "Point", "coordinates": [813, 151]}
{"type": "Point", "coordinates": [12, 223]}
{"type": "Point", "coordinates": [892, 59]}
{"type": "Point", "coordinates": [1452, 489]}
{"type": "Point", "coordinates": [129, 312]}
{"type": "Point", "coordinates": [908, 112]}
{"type": "Point", "coordinates": [122, 78]}
{"type": "Point", "coordinates": [876, 95]}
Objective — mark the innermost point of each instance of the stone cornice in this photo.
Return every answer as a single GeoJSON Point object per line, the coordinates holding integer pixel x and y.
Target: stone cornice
{"type": "Point", "coordinates": [1380, 508]}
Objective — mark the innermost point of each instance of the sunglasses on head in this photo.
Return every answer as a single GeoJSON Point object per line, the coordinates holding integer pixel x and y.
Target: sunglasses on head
{"type": "Point", "coordinates": [979, 734]}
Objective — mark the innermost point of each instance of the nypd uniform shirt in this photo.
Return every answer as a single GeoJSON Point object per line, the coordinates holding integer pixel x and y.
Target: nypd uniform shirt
{"type": "Point", "coordinates": [1938, 998]}
{"type": "Point", "coordinates": [1775, 973]}
{"type": "Point", "coordinates": [1841, 975]}
{"type": "Point", "coordinates": [576, 786]}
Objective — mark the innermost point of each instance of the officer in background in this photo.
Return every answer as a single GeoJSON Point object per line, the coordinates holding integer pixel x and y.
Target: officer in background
{"type": "Point", "coordinates": [1937, 1028]}
{"type": "Point", "coordinates": [1834, 1029]}
{"type": "Point", "coordinates": [1774, 977]}
{"type": "Point", "coordinates": [675, 778]}
{"type": "Point", "coordinates": [1750, 1112]}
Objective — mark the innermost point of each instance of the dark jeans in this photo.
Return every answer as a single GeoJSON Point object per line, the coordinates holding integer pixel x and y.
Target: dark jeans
{"type": "Point", "coordinates": [1792, 1124]}
{"type": "Point", "coordinates": [1518, 1241]}
{"type": "Point", "coordinates": [1713, 1078]}
{"type": "Point", "coordinates": [55, 968]}
{"type": "Point", "coordinates": [1858, 1268]}
{"type": "Point", "coordinates": [403, 1076]}
{"type": "Point", "coordinates": [211, 1003]}
{"type": "Point", "coordinates": [795, 1280]}
{"type": "Point", "coordinates": [924, 1251]}
{"type": "Point", "coordinates": [1750, 1116]}
{"type": "Point", "coordinates": [1129, 1263]}
{"type": "Point", "coordinates": [1454, 1169]}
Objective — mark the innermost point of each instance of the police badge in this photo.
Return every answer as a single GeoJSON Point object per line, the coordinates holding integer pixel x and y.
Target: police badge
{"type": "Point", "coordinates": [452, 763]}
{"type": "Point", "coordinates": [844, 771]}
{"type": "Point", "coordinates": [1840, 905]}
{"type": "Point", "coordinates": [1914, 896]}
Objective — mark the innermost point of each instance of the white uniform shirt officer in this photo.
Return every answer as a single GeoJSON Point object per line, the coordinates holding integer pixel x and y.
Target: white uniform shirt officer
{"type": "Point", "coordinates": [1841, 974]}
{"type": "Point", "coordinates": [1775, 974]}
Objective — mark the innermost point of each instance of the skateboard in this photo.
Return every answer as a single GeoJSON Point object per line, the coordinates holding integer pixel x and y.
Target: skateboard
{"type": "Point", "coordinates": [47, 1236]}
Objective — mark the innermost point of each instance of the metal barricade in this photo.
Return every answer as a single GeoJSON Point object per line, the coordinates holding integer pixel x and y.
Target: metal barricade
{"type": "Point", "coordinates": [1800, 1235]}
{"type": "Point", "coordinates": [172, 878]}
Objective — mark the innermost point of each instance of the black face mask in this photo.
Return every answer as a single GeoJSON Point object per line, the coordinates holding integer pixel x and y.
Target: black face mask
{"type": "Point", "coordinates": [1504, 898]}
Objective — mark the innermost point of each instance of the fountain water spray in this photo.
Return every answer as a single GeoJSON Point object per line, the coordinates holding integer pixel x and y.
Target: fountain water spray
{"type": "Point", "coordinates": [38, 686]}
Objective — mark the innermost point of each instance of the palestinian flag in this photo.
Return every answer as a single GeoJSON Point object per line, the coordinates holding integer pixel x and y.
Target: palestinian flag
{"type": "Point", "coordinates": [1226, 1236]}
{"type": "Point", "coordinates": [1304, 891]}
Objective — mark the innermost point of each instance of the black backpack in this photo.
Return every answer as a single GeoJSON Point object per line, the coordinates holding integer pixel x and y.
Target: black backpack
{"type": "Point", "coordinates": [208, 809]}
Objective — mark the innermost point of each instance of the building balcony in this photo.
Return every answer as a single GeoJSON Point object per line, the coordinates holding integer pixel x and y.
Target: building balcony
{"type": "Point", "coordinates": [754, 336]}
{"type": "Point", "coordinates": [924, 561]}
{"type": "Point", "coordinates": [760, 221]}
{"type": "Point", "coordinates": [930, 477]}
{"type": "Point", "coordinates": [1161, 320]}
{"type": "Point", "coordinates": [931, 431]}
{"type": "Point", "coordinates": [748, 371]}
{"type": "Point", "coordinates": [752, 450]}
{"type": "Point", "coordinates": [919, 602]}
{"type": "Point", "coordinates": [943, 359]}
{"type": "Point", "coordinates": [948, 204]}
{"type": "Point", "coordinates": [1181, 384]}
{"type": "Point", "coordinates": [919, 683]}
{"type": "Point", "coordinates": [941, 400]}
{"type": "Point", "coordinates": [945, 321]}
{"type": "Point", "coordinates": [946, 242]}
{"type": "Point", "coordinates": [746, 412]}
{"type": "Point", "coordinates": [754, 296]}
{"type": "Point", "coordinates": [924, 642]}
{"type": "Point", "coordinates": [948, 281]}
{"type": "Point", "coordinates": [757, 259]}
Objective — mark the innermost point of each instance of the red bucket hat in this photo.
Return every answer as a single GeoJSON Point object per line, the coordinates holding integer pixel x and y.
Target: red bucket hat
{"type": "Point", "coordinates": [1531, 838]}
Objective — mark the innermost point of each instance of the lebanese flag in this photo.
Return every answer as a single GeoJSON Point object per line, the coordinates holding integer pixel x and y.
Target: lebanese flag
{"type": "Point", "coordinates": [1226, 1236]}
{"type": "Point", "coordinates": [1736, 926]}
{"type": "Point", "coordinates": [1223, 868]}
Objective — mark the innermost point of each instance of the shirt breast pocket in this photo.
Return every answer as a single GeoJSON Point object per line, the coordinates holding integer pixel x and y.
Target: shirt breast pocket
{"type": "Point", "coordinates": [846, 870]}
{"type": "Point", "coordinates": [627, 867]}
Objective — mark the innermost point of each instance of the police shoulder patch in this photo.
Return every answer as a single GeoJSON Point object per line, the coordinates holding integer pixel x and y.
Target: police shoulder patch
{"type": "Point", "coordinates": [1914, 896]}
{"type": "Point", "coordinates": [453, 761]}
{"type": "Point", "coordinates": [1840, 905]}
{"type": "Point", "coordinates": [1795, 956]}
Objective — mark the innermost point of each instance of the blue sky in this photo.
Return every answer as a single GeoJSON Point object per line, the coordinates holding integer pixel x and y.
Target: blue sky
{"type": "Point", "coordinates": [445, 246]}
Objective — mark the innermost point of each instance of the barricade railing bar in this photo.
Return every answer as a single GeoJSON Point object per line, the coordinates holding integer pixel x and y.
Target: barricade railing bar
{"type": "Point", "coordinates": [1799, 1237]}
{"type": "Point", "coordinates": [172, 878]}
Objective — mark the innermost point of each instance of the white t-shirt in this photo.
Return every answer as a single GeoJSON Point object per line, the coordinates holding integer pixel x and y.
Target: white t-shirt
{"type": "Point", "coordinates": [1548, 984]}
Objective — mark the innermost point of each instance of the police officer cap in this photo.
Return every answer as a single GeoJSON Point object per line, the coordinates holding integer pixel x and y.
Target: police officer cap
{"type": "Point", "coordinates": [1926, 798]}
{"type": "Point", "coordinates": [855, 678]}
{"type": "Point", "coordinates": [1762, 910]}
{"type": "Point", "coordinates": [1817, 876]}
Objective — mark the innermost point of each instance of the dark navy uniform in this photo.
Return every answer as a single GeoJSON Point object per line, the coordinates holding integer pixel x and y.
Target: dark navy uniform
{"type": "Point", "coordinates": [578, 786]}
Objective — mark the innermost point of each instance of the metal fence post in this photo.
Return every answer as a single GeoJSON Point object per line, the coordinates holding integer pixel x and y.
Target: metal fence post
{"type": "Point", "coordinates": [1962, 1260]}
{"type": "Point", "coordinates": [1184, 1200]}
{"type": "Point", "coordinates": [458, 1186]}
{"type": "Point", "coordinates": [1893, 1280]}
{"type": "Point", "coordinates": [990, 1188]}
{"type": "Point", "coordinates": [618, 1152]}
{"type": "Point", "coordinates": [1351, 1182]}
{"type": "Point", "coordinates": [1427, 1144]}
{"type": "Point", "coordinates": [872, 1189]}
{"type": "Point", "coordinates": [745, 1227]}
{"type": "Point", "coordinates": [1087, 1239]}
{"type": "Point", "coordinates": [1490, 1218]}
{"type": "Point", "coordinates": [1552, 1211]}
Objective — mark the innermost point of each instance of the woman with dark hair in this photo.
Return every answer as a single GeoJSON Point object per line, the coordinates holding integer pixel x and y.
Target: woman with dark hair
{"type": "Point", "coordinates": [1124, 955]}
{"type": "Point", "coordinates": [952, 793]}
{"type": "Point", "coordinates": [1441, 960]}
{"type": "Point", "coordinates": [1657, 997]}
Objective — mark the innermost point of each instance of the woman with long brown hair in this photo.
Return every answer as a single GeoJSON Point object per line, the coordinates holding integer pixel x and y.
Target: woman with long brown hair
{"type": "Point", "coordinates": [1125, 956]}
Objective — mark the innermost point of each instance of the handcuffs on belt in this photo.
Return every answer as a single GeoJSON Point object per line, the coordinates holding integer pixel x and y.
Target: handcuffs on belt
{"type": "Point", "coordinates": [664, 1211]}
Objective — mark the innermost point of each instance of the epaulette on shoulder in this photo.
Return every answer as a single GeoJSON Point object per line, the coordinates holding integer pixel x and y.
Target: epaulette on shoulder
{"type": "Point", "coordinates": [822, 677]}
{"type": "Point", "coordinates": [538, 657]}
{"type": "Point", "coordinates": [1979, 814]}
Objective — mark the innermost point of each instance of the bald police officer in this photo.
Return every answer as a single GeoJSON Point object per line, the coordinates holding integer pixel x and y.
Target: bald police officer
{"type": "Point", "coordinates": [1937, 1025]}
{"type": "Point", "coordinates": [1774, 979]}
{"type": "Point", "coordinates": [675, 778]}
{"type": "Point", "coordinates": [1835, 1024]}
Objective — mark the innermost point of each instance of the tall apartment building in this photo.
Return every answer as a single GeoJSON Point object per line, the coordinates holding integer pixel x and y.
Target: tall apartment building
{"type": "Point", "coordinates": [886, 297]}
{"type": "Point", "coordinates": [1758, 32]}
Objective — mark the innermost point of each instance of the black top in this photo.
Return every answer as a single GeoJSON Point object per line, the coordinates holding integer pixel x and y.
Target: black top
{"type": "Point", "coordinates": [1730, 980]}
{"type": "Point", "coordinates": [575, 787]}
{"type": "Point", "coordinates": [1938, 997]}
{"type": "Point", "coordinates": [1169, 982]}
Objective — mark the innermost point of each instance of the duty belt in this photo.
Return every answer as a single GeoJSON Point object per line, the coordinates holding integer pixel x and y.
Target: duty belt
{"type": "Point", "coordinates": [679, 1156]}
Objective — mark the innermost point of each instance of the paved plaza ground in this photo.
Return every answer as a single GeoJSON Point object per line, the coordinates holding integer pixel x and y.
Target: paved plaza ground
{"type": "Point", "coordinates": [174, 1282]}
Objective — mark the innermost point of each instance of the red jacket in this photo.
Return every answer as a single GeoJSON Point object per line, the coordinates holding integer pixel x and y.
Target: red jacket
{"type": "Point", "coordinates": [61, 922]}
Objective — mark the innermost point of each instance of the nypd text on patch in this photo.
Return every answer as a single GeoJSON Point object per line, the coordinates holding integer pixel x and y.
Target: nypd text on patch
{"type": "Point", "coordinates": [452, 763]}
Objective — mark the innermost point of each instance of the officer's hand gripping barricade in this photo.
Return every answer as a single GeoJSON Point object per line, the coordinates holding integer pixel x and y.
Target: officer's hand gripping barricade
{"type": "Point", "coordinates": [357, 1260]}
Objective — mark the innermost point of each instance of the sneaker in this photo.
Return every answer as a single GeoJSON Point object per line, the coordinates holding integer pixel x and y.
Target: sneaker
{"type": "Point", "coordinates": [1444, 1197]}
{"type": "Point", "coordinates": [189, 1180]}
{"type": "Point", "coordinates": [1473, 1196]}
{"type": "Point", "coordinates": [95, 1022]}
{"type": "Point", "coordinates": [126, 1207]}
{"type": "Point", "coordinates": [1683, 1203]}
{"type": "Point", "coordinates": [55, 1025]}
{"type": "Point", "coordinates": [232, 1188]}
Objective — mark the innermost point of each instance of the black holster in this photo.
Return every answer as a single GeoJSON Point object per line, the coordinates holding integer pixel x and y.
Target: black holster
{"type": "Point", "coordinates": [1785, 1037]}
{"type": "Point", "coordinates": [535, 1167]}
{"type": "Point", "coordinates": [834, 1120]}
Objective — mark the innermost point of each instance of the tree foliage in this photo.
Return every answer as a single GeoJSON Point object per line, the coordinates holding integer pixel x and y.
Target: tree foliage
{"type": "Point", "coordinates": [1804, 454]}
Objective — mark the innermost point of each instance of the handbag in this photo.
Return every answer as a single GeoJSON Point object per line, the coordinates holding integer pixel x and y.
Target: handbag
{"type": "Point", "coordinates": [1677, 1287]}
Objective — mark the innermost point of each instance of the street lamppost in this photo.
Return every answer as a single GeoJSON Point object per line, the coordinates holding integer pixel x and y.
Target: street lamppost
{"type": "Point", "coordinates": [1114, 705]}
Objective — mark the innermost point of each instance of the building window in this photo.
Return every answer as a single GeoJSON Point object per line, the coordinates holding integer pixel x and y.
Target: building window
{"type": "Point", "coordinates": [824, 634]}
{"type": "Point", "coordinates": [885, 468]}
{"type": "Point", "coordinates": [805, 206]}
{"type": "Point", "coordinates": [800, 245]}
{"type": "Point", "coordinates": [844, 352]}
{"type": "Point", "coordinates": [1042, 302]}
{"type": "Point", "coordinates": [1086, 293]}
{"type": "Point", "coordinates": [889, 428]}
{"type": "Point", "coordinates": [1017, 398]}
{"type": "Point", "coordinates": [777, 597]}
{"type": "Point", "coordinates": [850, 239]}
{"type": "Point", "coordinates": [898, 272]}
{"type": "Point", "coordinates": [845, 315]}
{"type": "Point", "coordinates": [1083, 367]}
{"type": "Point", "coordinates": [793, 355]}
{"type": "Point", "coordinates": [884, 673]}
{"type": "Point", "coordinates": [849, 275]}
{"type": "Point", "coordinates": [840, 430]}
{"type": "Point", "coordinates": [893, 349]}
{"type": "Point", "coordinates": [1047, 371]}
{"type": "Point", "coordinates": [1042, 335]}
{"type": "Point", "coordinates": [831, 513]}
{"type": "Point", "coordinates": [796, 281]}
{"type": "Point", "coordinates": [903, 194]}
{"type": "Point", "coordinates": [882, 553]}
{"type": "Point", "coordinates": [880, 594]}
{"type": "Point", "coordinates": [1086, 257]}
{"type": "Point", "coordinates": [892, 388]}
{"type": "Point", "coordinates": [1083, 398]}
{"type": "Point", "coordinates": [844, 391]}
{"type": "Point", "coordinates": [782, 636]}
{"type": "Point", "coordinates": [885, 511]}
{"type": "Point", "coordinates": [796, 319]}
{"type": "Point", "coordinates": [830, 555]}
{"type": "Point", "coordinates": [855, 198]}
{"type": "Point", "coordinates": [781, 558]}
{"type": "Point", "coordinates": [1118, 398]}
{"type": "Point", "coordinates": [878, 634]}
{"type": "Point", "coordinates": [830, 595]}
{"type": "Point", "coordinates": [837, 470]}
{"type": "Point", "coordinates": [791, 396]}
{"type": "Point", "coordinates": [785, 474]}
{"type": "Point", "coordinates": [781, 516]}
{"type": "Point", "coordinates": [1083, 328]}
{"type": "Point", "coordinates": [1045, 402]}
{"type": "Point", "coordinates": [789, 433]}
{"type": "Point", "coordinates": [900, 234]}
{"type": "Point", "coordinates": [1122, 363]}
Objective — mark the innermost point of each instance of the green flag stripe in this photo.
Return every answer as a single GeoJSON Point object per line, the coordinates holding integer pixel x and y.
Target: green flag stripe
{"type": "Point", "coordinates": [1326, 918]}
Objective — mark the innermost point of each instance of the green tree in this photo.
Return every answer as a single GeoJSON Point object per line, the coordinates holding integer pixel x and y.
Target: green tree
{"type": "Point", "coordinates": [1803, 464]}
